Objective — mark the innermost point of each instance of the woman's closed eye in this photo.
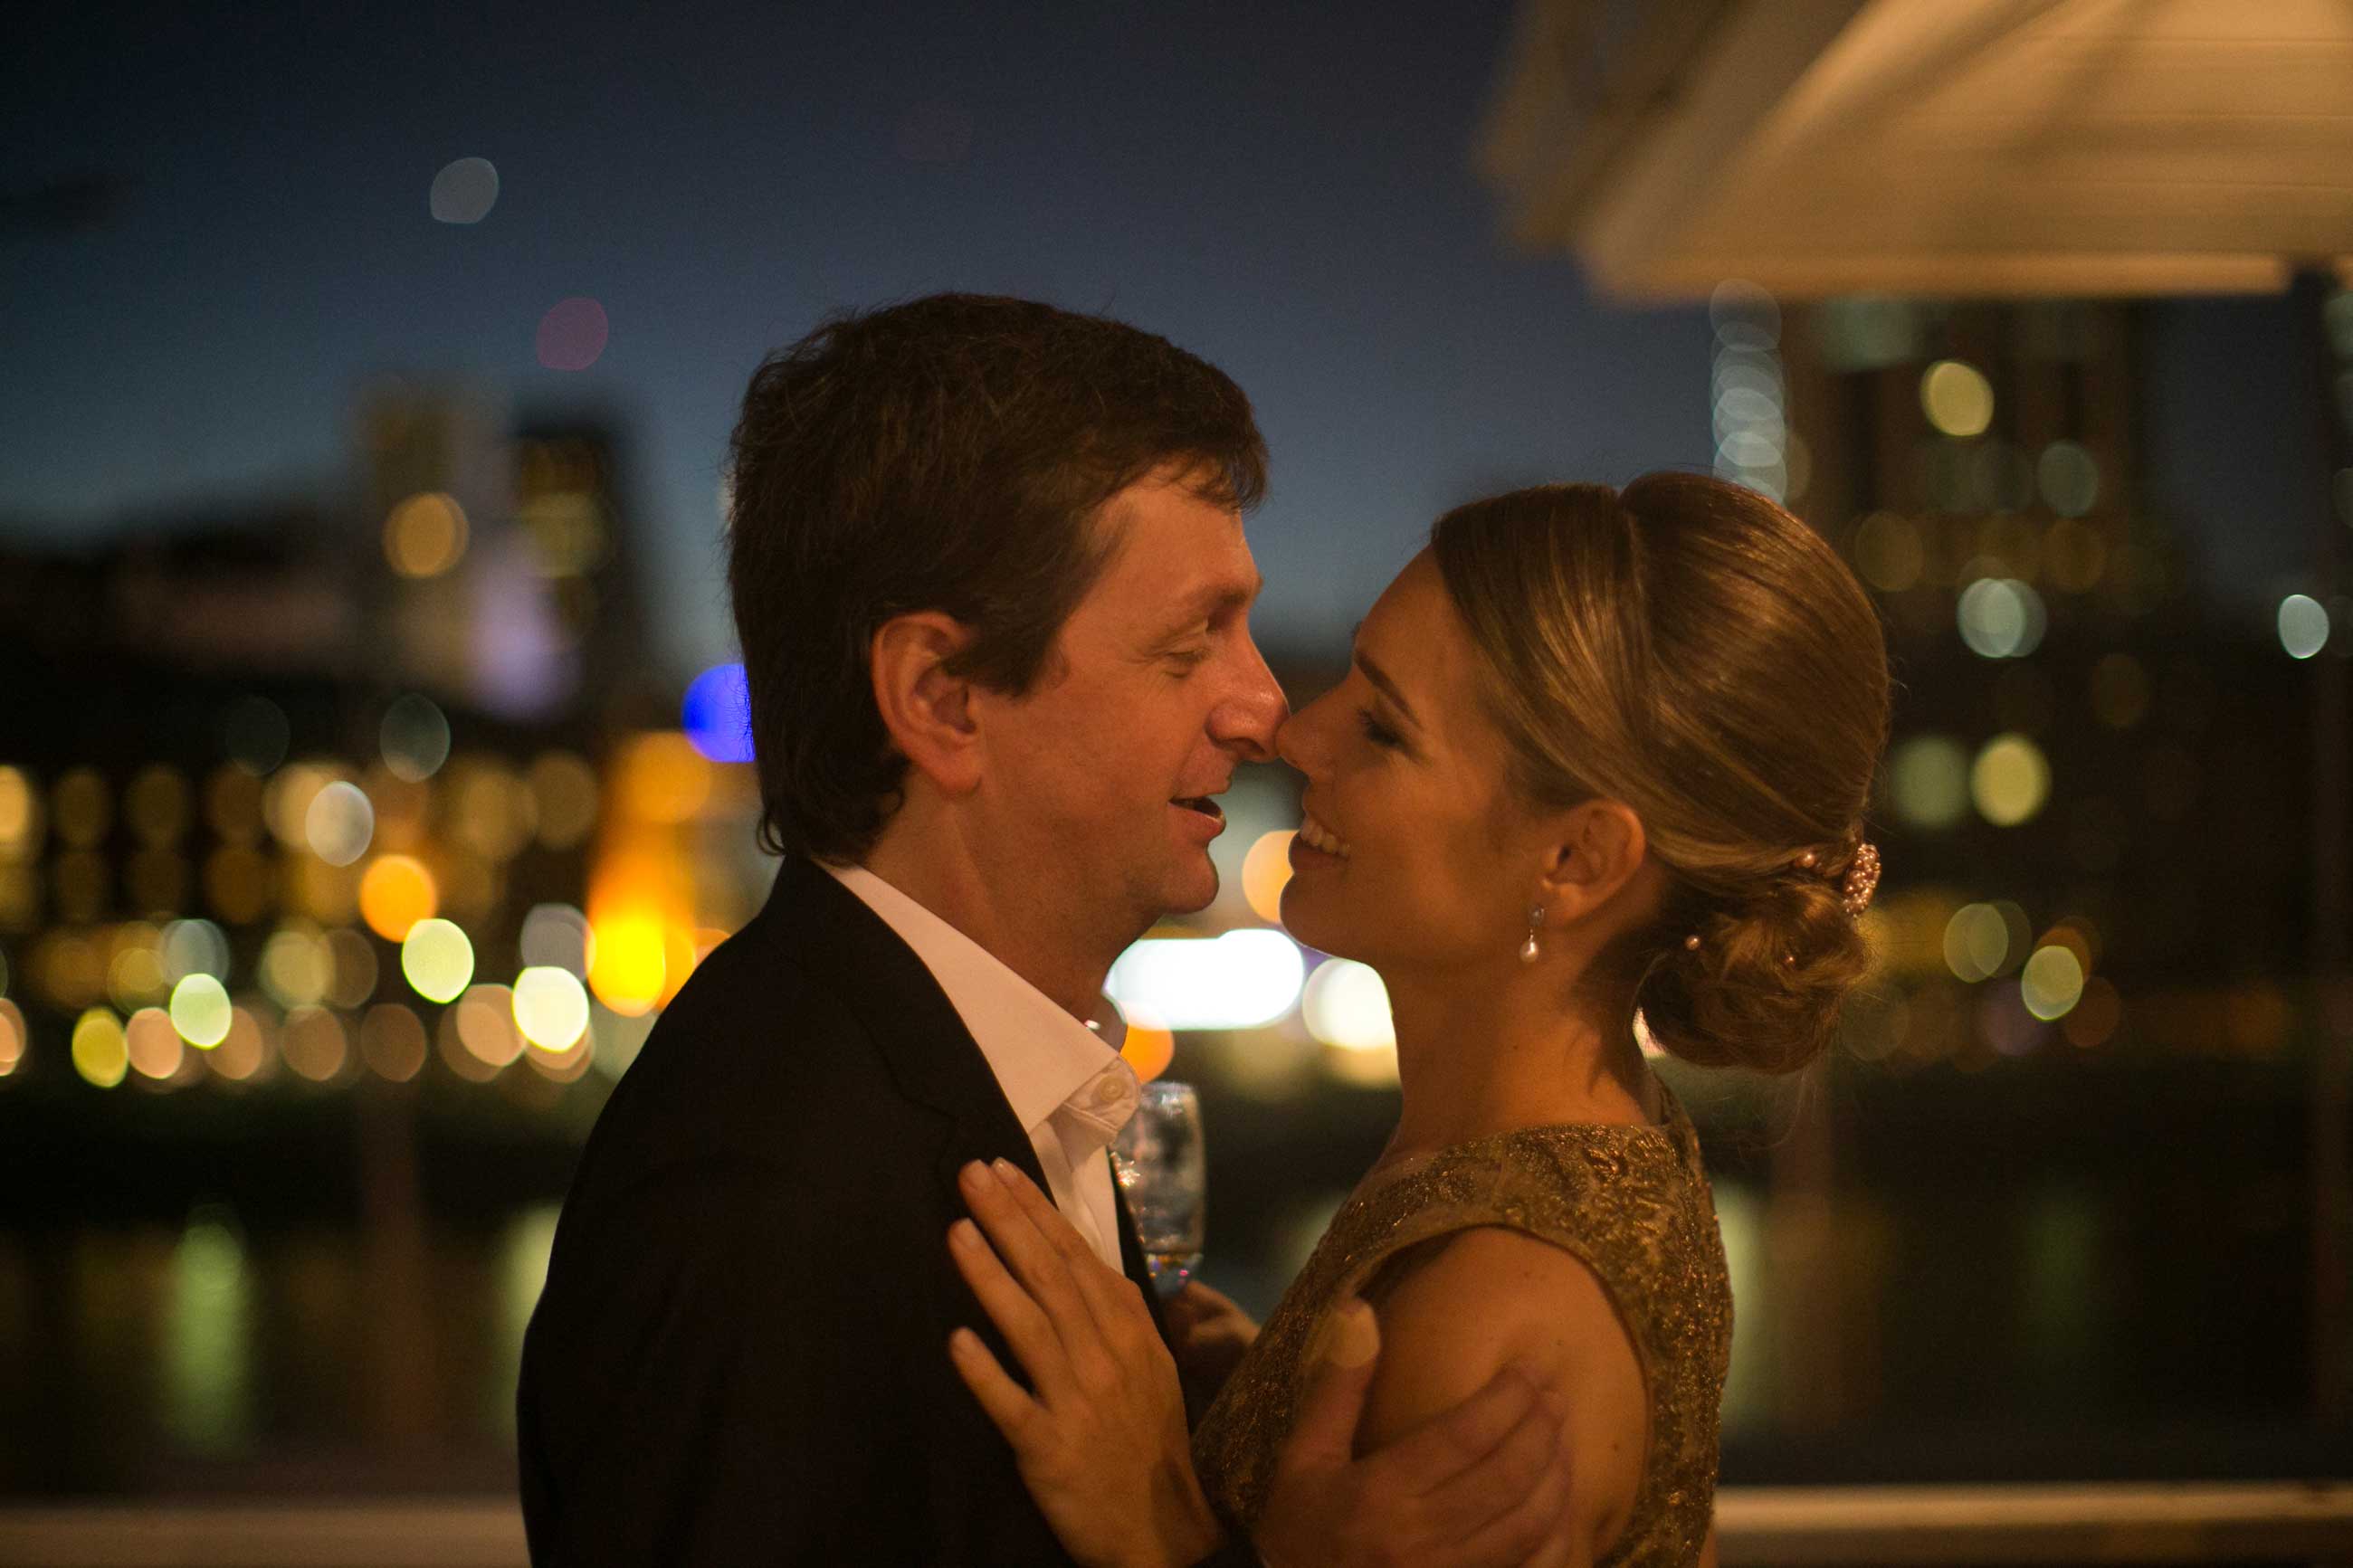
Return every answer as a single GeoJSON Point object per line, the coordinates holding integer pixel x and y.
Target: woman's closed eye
{"type": "Point", "coordinates": [1378, 734]}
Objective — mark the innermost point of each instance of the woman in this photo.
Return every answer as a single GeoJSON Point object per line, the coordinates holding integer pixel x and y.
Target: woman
{"type": "Point", "coordinates": [1598, 766]}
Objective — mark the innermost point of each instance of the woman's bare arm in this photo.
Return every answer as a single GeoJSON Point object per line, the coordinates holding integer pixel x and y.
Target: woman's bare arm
{"type": "Point", "coordinates": [1490, 1296]}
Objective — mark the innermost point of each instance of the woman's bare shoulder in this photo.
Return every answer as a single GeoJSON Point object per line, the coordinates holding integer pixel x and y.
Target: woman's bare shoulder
{"type": "Point", "coordinates": [1469, 1303]}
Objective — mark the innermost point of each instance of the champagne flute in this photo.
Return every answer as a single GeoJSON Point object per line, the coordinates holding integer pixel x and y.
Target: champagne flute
{"type": "Point", "coordinates": [1161, 1169]}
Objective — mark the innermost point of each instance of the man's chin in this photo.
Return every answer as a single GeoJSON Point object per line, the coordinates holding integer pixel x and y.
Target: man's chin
{"type": "Point", "coordinates": [1191, 891]}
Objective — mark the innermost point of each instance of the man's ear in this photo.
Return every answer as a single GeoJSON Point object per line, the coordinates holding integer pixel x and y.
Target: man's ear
{"type": "Point", "coordinates": [926, 708]}
{"type": "Point", "coordinates": [1597, 847]}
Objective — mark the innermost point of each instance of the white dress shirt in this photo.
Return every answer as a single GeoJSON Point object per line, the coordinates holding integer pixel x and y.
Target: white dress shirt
{"type": "Point", "coordinates": [1070, 1092]}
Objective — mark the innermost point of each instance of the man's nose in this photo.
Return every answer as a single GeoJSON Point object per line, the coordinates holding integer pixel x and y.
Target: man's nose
{"type": "Point", "coordinates": [1245, 722]}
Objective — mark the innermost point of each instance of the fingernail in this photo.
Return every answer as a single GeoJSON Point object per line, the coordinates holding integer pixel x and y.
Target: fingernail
{"type": "Point", "coordinates": [1355, 1336]}
{"type": "Point", "coordinates": [1004, 1171]}
{"type": "Point", "coordinates": [964, 1234]}
{"type": "Point", "coordinates": [974, 1173]}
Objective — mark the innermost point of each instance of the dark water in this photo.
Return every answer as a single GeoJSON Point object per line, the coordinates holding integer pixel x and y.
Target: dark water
{"type": "Point", "coordinates": [2086, 1273]}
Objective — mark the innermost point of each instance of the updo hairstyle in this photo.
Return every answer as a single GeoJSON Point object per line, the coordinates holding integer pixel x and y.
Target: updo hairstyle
{"type": "Point", "coordinates": [1688, 647]}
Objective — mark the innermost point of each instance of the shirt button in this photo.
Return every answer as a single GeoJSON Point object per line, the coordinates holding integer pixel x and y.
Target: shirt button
{"type": "Point", "coordinates": [1109, 1091]}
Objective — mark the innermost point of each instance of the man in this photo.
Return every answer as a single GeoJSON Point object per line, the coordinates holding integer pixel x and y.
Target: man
{"type": "Point", "coordinates": [990, 576]}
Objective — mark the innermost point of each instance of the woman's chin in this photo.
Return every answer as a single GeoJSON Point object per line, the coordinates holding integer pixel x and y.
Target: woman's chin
{"type": "Point", "coordinates": [1309, 926]}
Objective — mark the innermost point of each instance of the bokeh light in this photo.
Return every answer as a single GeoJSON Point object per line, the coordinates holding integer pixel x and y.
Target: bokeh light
{"type": "Point", "coordinates": [101, 1053]}
{"type": "Point", "coordinates": [2303, 625]}
{"type": "Point", "coordinates": [244, 1051]}
{"type": "Point", "coordinates": [82, 807]}
{"type": "Point", "coordinates": [200, 1010]}
{"type": "Point", "coordinates": [392, 1042]}
{"type": "Point", "coordinates": [1928, 781]}
{"type": "Point", "coordinates": [464, 191]}
{"type": "Point", "coordinates": [494, 807]}
{"type": "Point", "coordinates": [2094, 1018]}
{"type": "Point", "coordinates": [2009, 780]}
{"type": "Point", "coordinates": [2074, 556]}
{"type": "Point", "coordinates": [1266, 871]}
{"type": "Point", "coordinates": [628, 966]}
{"type": "Point", "coordinates": [1889, 553]}
{"type": "Point", "coordinates": [1237, 980]}
{"type": "Point", "coordinates": [572, 334]}
{"type": "Point", "coordinates": [661, 778]}
{"type": "Point", "coordinates": [353, 960]}
{"type": "Point", "coordinates": [339, 822]}
{"type": "Point", "coordinates": [717, 714]}
{"type": "Point", "coordinates": [485, 1024]}
{"type": "Point", "coordinates": [437, 958]}
{"type": "Point", "coordinates": [1956, 398]}
{"type": "Point", "coordinates": [297, 967]}
{"type": "Point", "coordinates": [551, 1007]}
{"type": "Point", "coordinates": [1148, 1048]}
{"type": "Point", "coordinates": [313, 1044]}
{"type": "Point", "coordinates": [414, 738]}
{"type": "Point", "coordinates": [135, 975]}
{"type": "Point", "coordinates": [1977, 942]}
{"type": "Point", "coordinates": [563, 789]}
{"type": "Point", "coordinates": [2001, 617]}
{"type": "Point", "coordinates": [194, 948]}
{"type": "Point", "coordinates": [567, 1064]}
{"type": "Point", "coordinates": [425, 535]}
{"type": "Point", "coordinates": [557, 936]}
{"type": "Point", "coordinates": [286, 801]}
{"type": "Point", "coordinates": [20, 813]}
{"type": "Point", "coordinates": [396, 892]}
{"type": "Point", "coordinates": [451, 1047]}
{"type": "Point", "coordinates": [2051, 983]}
{"type": "Point", "coordinates": [1743, 314]}
{"type": "Point", "coordinates": [11, 1038]}
{"type": "Point", "coordinates": [152, 1045]}
{"type": "Point", "coordinates": [2069, 478]}
{"type": "Point", "coordinates": [1345, 1005]}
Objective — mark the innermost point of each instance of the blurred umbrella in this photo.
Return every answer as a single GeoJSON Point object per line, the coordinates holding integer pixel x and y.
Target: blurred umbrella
{"type": "Point", "coordinates": [1982, 148]}
{"type": "Point", "coordinates": [1951, 147]}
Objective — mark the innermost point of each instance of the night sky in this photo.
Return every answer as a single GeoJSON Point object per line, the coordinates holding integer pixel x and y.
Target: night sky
{"type": "Point", "coordinates": [1286, 188]}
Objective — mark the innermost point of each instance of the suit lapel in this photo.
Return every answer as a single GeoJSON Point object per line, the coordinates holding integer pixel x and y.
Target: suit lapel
{"type": "Point", "coordinates": [929, 1053]}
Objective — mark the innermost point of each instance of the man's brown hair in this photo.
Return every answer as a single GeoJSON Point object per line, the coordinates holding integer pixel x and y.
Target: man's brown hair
{"type": "Point", "coordinates": [950, 454]}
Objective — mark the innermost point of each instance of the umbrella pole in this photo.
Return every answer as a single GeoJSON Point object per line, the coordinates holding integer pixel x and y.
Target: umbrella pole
{"type": "Point", "coordinates": [2332, 884]}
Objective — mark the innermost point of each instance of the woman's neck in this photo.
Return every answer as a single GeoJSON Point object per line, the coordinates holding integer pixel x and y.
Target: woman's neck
{"type": "Point", "coordinates": [1485, 1054]}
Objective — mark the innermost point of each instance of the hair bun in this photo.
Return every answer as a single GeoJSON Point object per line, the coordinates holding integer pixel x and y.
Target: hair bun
{"type": "Point", "coordinates": [1763, 988]}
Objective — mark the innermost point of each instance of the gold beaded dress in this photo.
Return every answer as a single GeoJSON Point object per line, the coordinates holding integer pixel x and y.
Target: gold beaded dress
{"type": "Point", "coordinates": [1630, 1202]}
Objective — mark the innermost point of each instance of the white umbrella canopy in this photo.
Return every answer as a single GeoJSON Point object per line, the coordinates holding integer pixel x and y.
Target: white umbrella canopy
{"type": "Point", "coordinates": [1949, 147]}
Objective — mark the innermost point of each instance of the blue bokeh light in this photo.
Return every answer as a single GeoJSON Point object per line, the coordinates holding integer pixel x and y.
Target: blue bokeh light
{"type": "Point", "coordinates": [718, 714]}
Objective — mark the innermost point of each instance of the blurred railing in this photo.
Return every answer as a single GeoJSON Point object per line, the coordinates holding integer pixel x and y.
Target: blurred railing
{"type": "Point", "coordinates": [2186, 1523]}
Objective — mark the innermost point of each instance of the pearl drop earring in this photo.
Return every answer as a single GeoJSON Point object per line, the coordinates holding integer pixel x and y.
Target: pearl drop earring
{"type": "Point", "coordinates": [1535, 922]}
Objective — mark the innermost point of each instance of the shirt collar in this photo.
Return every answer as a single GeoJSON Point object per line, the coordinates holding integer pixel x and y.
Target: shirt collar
{"type": "Point", "coordinates": [1043, 1059]}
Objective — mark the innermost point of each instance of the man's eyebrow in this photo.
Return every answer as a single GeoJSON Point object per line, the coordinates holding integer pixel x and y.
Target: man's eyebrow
{"type": "Point", "coordinates": [1381, 681]}
{"type": "Point", "coordinates": [1207, 603]}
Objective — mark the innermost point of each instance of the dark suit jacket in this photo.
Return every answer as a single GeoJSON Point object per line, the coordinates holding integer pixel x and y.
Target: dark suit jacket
{"type": "Point", "coordinates": [740, 1356]}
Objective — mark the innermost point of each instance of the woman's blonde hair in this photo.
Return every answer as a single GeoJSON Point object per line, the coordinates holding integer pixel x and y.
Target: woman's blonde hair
{"type": "Point", "coordinates": [1689, 648]}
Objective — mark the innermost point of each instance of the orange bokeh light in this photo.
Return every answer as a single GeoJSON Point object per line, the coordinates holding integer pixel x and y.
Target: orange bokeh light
{"type": "Point", "coordinates": [395, 894]}
{"type": "Point", "coordinates": [1266, 870]}
{"type": "Point", "coordinates": [1147, 1050]}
